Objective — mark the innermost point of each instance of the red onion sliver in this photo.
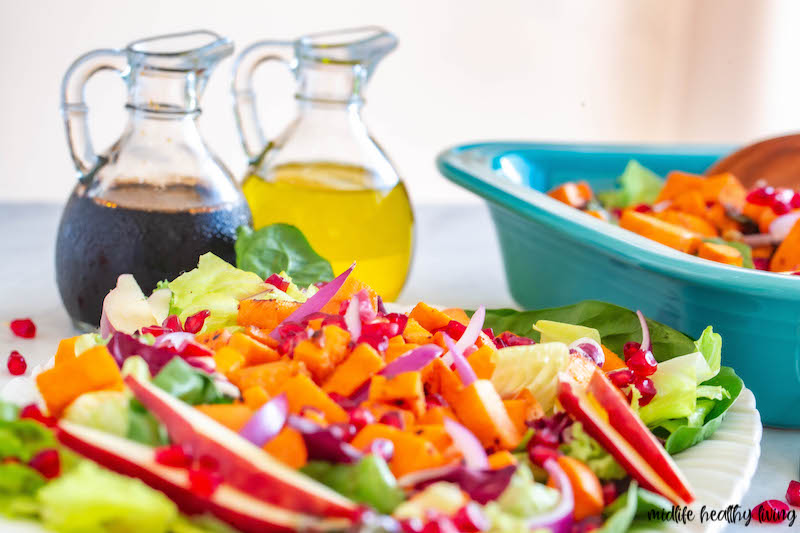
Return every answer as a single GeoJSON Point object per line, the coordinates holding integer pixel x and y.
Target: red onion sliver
{"type": "Point", "coordinates": [469, 446]}
{"type": "Point", "coordinates": [267, 422]}
{"type": "Point", "coordinates": [760, 239]}
{"type": "Point", "coordinates": [316, 302]}
{"type": "Point", "coordinates": [645, 332]}
{"type": "Point", "coordinates": [781, 226]}
{"type": "Point", "coordinates": [416, 359]}
{"type": "Point", "coordinates": [352, 317]}
{"type": "Point", "coordinates": [473, 330]}
{"type": "Point", "coordinates": [463, 368]}
{"type": "Point", "coordinates": [558, 520]}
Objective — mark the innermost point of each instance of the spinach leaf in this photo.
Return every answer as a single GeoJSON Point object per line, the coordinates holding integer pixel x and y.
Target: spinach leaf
{"type": "Point", "coordinates": [746, 251]}
{"type": "Point", "coordinates": [280, 248]}
{"type": "Point", "coordinates": [616, 325]}
{"type": "Point", "coordinates": [684, 434]}
{"type": "Point", "coordinates": [622, 512]}
{"type": "Point", "coordinates": [193, 386]}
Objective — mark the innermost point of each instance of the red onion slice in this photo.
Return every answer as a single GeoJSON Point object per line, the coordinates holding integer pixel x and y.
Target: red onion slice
{"type": "Point", "coordinates": [267, 422]}
{"type": "Point", "coordinates": [558, 520]}
{"type": "Point", "coordinates": [352, 317]}
{"type": "Point", "coordinates": [645, 332]}
{"type": "Point", "coordinates": [469, 446]}
{"type": "Point", "coordinates": [316, 302]}
{"type": "Point", "coordinates": [463, 367]}
{"type": "Point", "coordinates": [760, 239]}
{"type": "Point", "coordinates": [473, 330]}
{"type": "Point", "coordinates": [781, 226]}
{"type": "Point", "coordinates": [590, 349]}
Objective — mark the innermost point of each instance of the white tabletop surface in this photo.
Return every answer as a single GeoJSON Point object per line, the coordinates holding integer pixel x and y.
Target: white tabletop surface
{"type": "Point", "coordinates": [457, 262]}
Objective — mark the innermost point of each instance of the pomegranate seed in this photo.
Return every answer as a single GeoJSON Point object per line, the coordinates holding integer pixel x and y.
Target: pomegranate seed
{"type": "Point", "coordinates": [379, 342]}
{"type": "Point", "coordinates": [793, 493]}
{"type": "Point", "coordinates": [383, 448]}
{"type": "Point", "coordinates": [470, 518]}
{"type": "Point", "coordinates": [440, 524]}
{"type": "Point", "coordinates": [643, 363]}
{"type": "Point", "coordinates": [761, 263]}
{"type": "Point", "coordinates": [173, 455]}
{"type": "Point", "coordinates": [761, 196]}
{"type": "Point", "coordinates": [47, 463]}
{"type": "Point", "coordinates": [609, 493]}
{"type": "Point", "coordinates": [377, 329]}
{"type": "Point", "coordinates": [23, 327]}
{"type": "Point", "coordinates": [489, 332]}
{"type": "Point", "coordinates": [208, 463]}
{"type": "Point", "coordinates": [194, 323]}
{"type": "Point", "coordinates": [203, 483]}
{"type": "Point", "coordinates": [780, 208]}
{"type": "Point", "coordinates": [454, 329]}
{"type": "Point", "coordinates": [393, 418]}
{"type": "Point", "coordinates": [16, 364]}
{"type": "Point", "coordinates": [398, 319]}
{"type": "Point", "coordinates": [646, 388]}
{"type": "Point", "coordinates": [643, 208]}
{"type": "Point", "coordinates": [621, 378]}
{"type": "Point", "coordinates": [32, 412]}
{"type": "Point", "coordinates": [278, 282]}
{"type": "Point", "coordinates": [509, 339]}
{"type": "Point", "coordinates": [360, 417]}
{"type": "Point", "coordinates": [795, 201]}
{"type": "Point", "coordinates": [155, 331]}
{"type": "Point", "coordinates": [539, 454]}
{"type": "Point", "coordinates": [172, 323]}
{"type": "Point", "coordinates": [630, 348]}
{"type": "Point", "coordinates": [545, 437]}
{"type": "Point", "coordinates": [771, 511]}
{"type": "Point", "coordinates": [412, 525]}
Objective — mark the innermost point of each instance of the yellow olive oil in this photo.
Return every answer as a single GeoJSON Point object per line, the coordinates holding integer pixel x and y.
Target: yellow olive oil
{"type": "Point", "coordinates": [343, 216]}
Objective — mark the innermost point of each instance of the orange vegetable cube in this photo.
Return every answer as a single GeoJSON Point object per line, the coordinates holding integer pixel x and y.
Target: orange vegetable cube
{"type": "Point", "coordinates": [350, 287]}
{"type": "Point", "coordinates": [269, 376]}
{"type": "Point", "coordinates": [678, 183]}
{"type": "Point", "coordinates": [691, 202]}
{"type": "Point", "coordinates": [261, 336]}
{"type": "Point", "coordinates": [502, 459]}
{"type": "Point", "coordinates": [436, 415]}
{"type": "Point", "coordinates": [93, 370]}
{"type": "Point", "coordinates": [265, 314]}
{"type": "Point", "coordinates": [214, 339]}
{"type": "Point", "coordinates": [725, 189]}
{"type": "Point", "coordinates": [404, 390]}
{"type": "Point", "coordinates": [288, 447]}
{"type": "Point", "coordinates": [336, 342]}
{"type": "Point", "coordinates": [668, 234]}
{"type": "Point", "coordinates": [428, 317]}
{"type": "Point", "coordinates": [766, 218]}
{"type": "Point", "coordinates": [398, 350]}
{"type": "Point", "coordinates": [254, 352]}
{"type": "Point", "coordinates": [483, 361]}
{"type": "Point", "coordinates": [255, 397]}
{"type": "Point", "coordinates": [315, 358]}
{"type": "Point", "coordinates": [378, 409]}
{"type": "Point", "coordinates": [411, 452]}
{"type": "Point", "coordinates": [439, 379]}
{"type": "Point", "coordinates": [612, 360]}
{"type": "Point", "coordinates": [362, 363]}
{"type": "Point", "coordinates": [718, 216]}
{"type": "Point", "coordinates": [721, 253]}
{"type": "Point", "coordinates": [66, 350]}
{"type": "Point", "coordinates": [231, 415]}
{"type": "Point", "coordinates": [691, 222]}
{"type": "Point", "coordinates": [228, 360]}
{"type": "Point", "coordinates": [787, 256]}
{"type": "Point", "coordinates": [457, 314]}
{"type": "Point", "coordinates": [586, 489]}
{"type": "Point", "coordinates": [302, 392]}
{"type": "Point", "coordinates": [573, 194]}
{"type": "Point", "coordinates": [481, 410]}
{"type": "Point", "coordinates": [415, 333]}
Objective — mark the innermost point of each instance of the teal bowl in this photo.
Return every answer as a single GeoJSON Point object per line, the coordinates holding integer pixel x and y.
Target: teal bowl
{"type": "Point", "coordinates": [555, 255]}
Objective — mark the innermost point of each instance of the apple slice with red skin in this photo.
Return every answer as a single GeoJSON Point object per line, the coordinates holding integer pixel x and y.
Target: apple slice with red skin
{"type": "Point", "coordinates": [230, 505]}
{"type": "Point", "coordinates": [242, 464]}
{"type": "Point", "coordinates": [624, 420]}
{"type": "Point", "coordinates": [590, 414]}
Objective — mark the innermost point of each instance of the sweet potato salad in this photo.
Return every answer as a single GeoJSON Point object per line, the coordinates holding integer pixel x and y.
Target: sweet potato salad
{"type": "Point", "coordinates": [230, 399]}
{"type": "Point", "coordinates": [712, 217]}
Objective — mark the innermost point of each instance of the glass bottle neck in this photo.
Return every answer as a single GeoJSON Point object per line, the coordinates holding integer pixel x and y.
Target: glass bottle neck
{"type": "Point", "coordinates": [331, 83]}
{"type": "Point", "coordinates": [164, 92]}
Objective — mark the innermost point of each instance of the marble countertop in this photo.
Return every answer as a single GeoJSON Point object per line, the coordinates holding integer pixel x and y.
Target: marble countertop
{"type": "Point", "coordinates": [446, 243]}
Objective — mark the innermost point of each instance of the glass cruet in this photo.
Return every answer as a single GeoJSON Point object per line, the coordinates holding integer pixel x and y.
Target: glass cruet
{"type": "Point", "coordinates": [325, 174]}
{"type": "Point", "coordinates": [157, 199]}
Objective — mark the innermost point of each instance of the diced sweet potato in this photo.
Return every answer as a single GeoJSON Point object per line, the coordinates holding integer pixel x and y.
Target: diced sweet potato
{"type": "Point", "coordinates": [718, 216]}
{"type": "Point", "coordinates": [404, 390]}
{"type": "Point", "coordinates": [501, 459]}
{"type": "Point", "coordinates": [265, 314]}
{"type": "Point", "coordinates": [436, 415]}
{"type": "Point", "coordinates": [482, 411]}
{"type": "Point", "coordinates": [231, 415]}
{"type": "Point", "coordinates": [288, 447]}
{"type": "Point", "coordinates": [721, 253]}
{"type": "Point", "coordinates": [436, 434]}
{"type": "Point", "coordinates": [415, 333]}
{"type": "Point", "coordinates": [457, 314]}
{"type": "Point", "coordinates": [411, 452]}
{"type": "Point", "coordinates": [350, 287]}
{"type": "Point", "coordinates": [214, 339]}
{"type": "Point", "coordinates": [397, 350]}
{"type": "Point", "coordinates": [766, 218]}
{"type": "Point", "coordinates": [428, 317]}
{"type": "Point", "coordinates": [725, 189]}
{"type": "Point", "coordinates": [573, 194]}
{"type": "Point", "coordinates": [228, 360]}
{"type": "Point", "coordinates": [270, 376]}
{"type": "Point", "coordinates": [668, 234]}
{"type": "Point", "coordinates": [66, 350]}
{"type": "Point", "coordinates": [315, 358]}
{"type": "Point", "coordinates": [254, 352]}
{"type": "Point", "coordinates": [302, 392]}
{"type": "Point", "coordinates": [787, 256]}
{"type": "Point", "coordinates": [255, 397]}
{"type": "Point", "coordinates": [678, 183]}
{"type": "Point", "coordinates": [439, 379]}
{"type": "Point", "coordinates": [612, 360]}
{"type": "Point", "coordinates": [336, 343]}
{"type": "Point", "coordinates": [691, 222]}
{"type": "Point", "coordinates": [362, 363]}
{"type": "Point", "coordinates": [691, 202]}
{"type": "Point", "coordinates": [483, 361]}
{"type": "Point", "coordinates": [378, 409]}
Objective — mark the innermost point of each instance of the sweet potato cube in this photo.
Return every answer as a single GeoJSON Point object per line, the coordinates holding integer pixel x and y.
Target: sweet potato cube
{"type": "Point", "coordinates": [481, 410]}
{"type": "Point", "coordinates": [436, 415]}
{"type": "Point", "coordinates": [436, 434]}
{"type": "Point", "coordinates": [573, 194]}
{"type": "Point", "coordinates": [302, 392]}
{"type": "Point", "coordinates": [404, 390]}
{"type": "Point", "coordinates": [787, 256]}
{"type": "Point", "coordinates": [231, 415]}
{"type": "Point", "coordinates": [502, 459]}
{"type": "Point", "coordinates": [254, 352]}
{"type": "Point", "coordinates": [483, 361]}
{"type": "Point", "coordinates": [457, 314]}
{"type": "Point", "coordinates": [336, 342]}
{"type": "Point", "coordinates": [214, 339]}
{"type": "Point", "coordinates": [415, 333]}
{"type": "Point", "coordinates": [721, 253]}
{"type": "Point", "coordinates": [270, 376]}
{"type": "Point", "coordinates": [718, 216]}
{"type": "Point", "coordinates": [691, 222]}
{"type": "Point", "coordinates": [668, 234]}
{"type": "Point", "coordinates": [411, 452]}
{"type": "Point", "coordinates": [725, 189]}
{"type": "Point", "coordinates": [255, 397]}
{"type": "Point", "coordinates": [228, 360]}
{"type": "Point", "coordinates": [362, 363]}
{"type": "Point", "coordinates": [691, 202]}
{"type": "Point", "coordinates": [439, 379]}
{"type": "Point", "coordinates": [315, 358]}
{"type": "Point", "coordinates": [678, 183]}
{"type": "Point", "coordinates": [428, 317]}
{"type": "Point", "coordinates": [351, 286]}
{"type": "Point", "coordinates": [265, 314]}
{"type": "Point", "coordinates": [397, 350]}
{"type": "Point", "coordinates": [612, 360]}
{"type": "Point", "coordinates": [66, 350]}
{"type": "Point", "coordinates": [93, 370]}
{"type": "Point", "coordinates": [288, 447]}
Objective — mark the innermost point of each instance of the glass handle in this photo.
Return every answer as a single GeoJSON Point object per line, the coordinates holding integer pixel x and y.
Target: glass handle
{"type": "Point", "coordinates": [75, 111]}
{"type": "Point", "coordinates": [244, 99]}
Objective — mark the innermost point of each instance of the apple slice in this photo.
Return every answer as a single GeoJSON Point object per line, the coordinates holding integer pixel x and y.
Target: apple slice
{"type": "Point", "coordinates": [595, 420]}
{"type": "Point", "coordinates": [230, 505]}
{"type": "Point", "coordinates": [243, 465]}
{"type": "Point", "coordinates": [624, 420]}
{"type": "Point", "coordinates": [125, 308]}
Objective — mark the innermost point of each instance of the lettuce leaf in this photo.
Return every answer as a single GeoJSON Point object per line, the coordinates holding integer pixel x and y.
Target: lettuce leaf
{"type": "Point", "coordinates": [216, 286]}
{"type": "Point", "coordinates": [106, 410]}
{"type": "Point", "coordinates": [588, 451]}
{"type": "Point", "coordinates": [22, 439]}
{"type": "Point", "coordinates": [710, 345]}
{"type": "Point", "coordinates": [637, 185]}
{"type": "Point", "coordinates": [280, 248]}
{"type": "Point", "coordinates": [534, 367]}
{"type": "Point", "coordinates": [193, 386]}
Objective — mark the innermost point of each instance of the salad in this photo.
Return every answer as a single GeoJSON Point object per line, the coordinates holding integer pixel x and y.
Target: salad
{"type": "Point", "coordinates": [234, 399]}
{"type": "Point", "coordinates": [712, 217]}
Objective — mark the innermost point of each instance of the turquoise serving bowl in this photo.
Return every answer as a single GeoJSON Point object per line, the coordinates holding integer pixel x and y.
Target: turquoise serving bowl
{"type": "Point", "coordinates": [555, 255]}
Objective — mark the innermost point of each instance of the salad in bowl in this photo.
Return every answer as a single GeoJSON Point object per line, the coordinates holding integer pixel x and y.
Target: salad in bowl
{"type": "Point", "coordinates": [241, 399]}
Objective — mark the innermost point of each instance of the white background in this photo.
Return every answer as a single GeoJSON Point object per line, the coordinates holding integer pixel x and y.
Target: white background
{"type": "Point", "coordinates": [580, 70]}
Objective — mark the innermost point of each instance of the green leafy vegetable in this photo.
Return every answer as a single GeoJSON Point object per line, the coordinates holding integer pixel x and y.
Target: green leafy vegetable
{"type": "Point", "coordinates": [550, 331]}
{"type": "Point", "coordinates": [192, 386]}
{"type": "Point", "coordinates": [22, 439]}
{"type": "Point", "coordinates": [676, 385]}
{"type": "Point", "coordinates": [17, 478]}
{"type": "Point", "coordinates": [216, 286]}
{"type": "Point", "coordinates": [637, 185]}
{"type": "Point", "coordinates": [8, 411]}
{"type": "Point", "coordinates": [588, 451]}
{"type": "Point", "coordinates": [280, 248]}
{"type": "Point", "coordinates": [104, 410]}
{"type": "Point", "coordinates": [368, 481]}
{"type": "Point", "coordinates": [143, 427]}
{"type": "Point", "coordinates": [746, 251]}
{"type": "Point", "coordinates": [621, 512]}
{"type": "Point", "coordinates": [615, 324]}
{"type": "Point", "coordinates": [710, 345]}
{"type": "Point", "coordinates": [685, 433]}
{"type": "Point", "coordinates": [534, 367]}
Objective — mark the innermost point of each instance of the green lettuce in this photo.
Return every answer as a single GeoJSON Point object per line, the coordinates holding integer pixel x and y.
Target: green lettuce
{"type": "Point", "coordinates": [588, 451]}
{"type": "Point", "coordinates": [534, 367]}
{"type": "Point", "coordinates": [522, 499]}
{"type": "Point", "coordinates": [22, 439]}
{"type": "Point", "coordinates": [637, 185]}
{"type": "Point", "coordinates": [280, 248]}
{"type": "Point", "coordinates": [632, 508]}
{"type": "Point", "coordinates": [710, 345]}
{"type": "Point", "coordinates": [104, 410]}
{"type": "Point", "coordinates": [216, 286]}
{"type": "Point", "coordinates": [193, 386]}
{"type": "Point", "coordinates": [550, 331]}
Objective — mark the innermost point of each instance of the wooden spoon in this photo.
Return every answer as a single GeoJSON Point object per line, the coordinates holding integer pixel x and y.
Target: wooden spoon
{"type": "Point", "coordinates": [776, 161]}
